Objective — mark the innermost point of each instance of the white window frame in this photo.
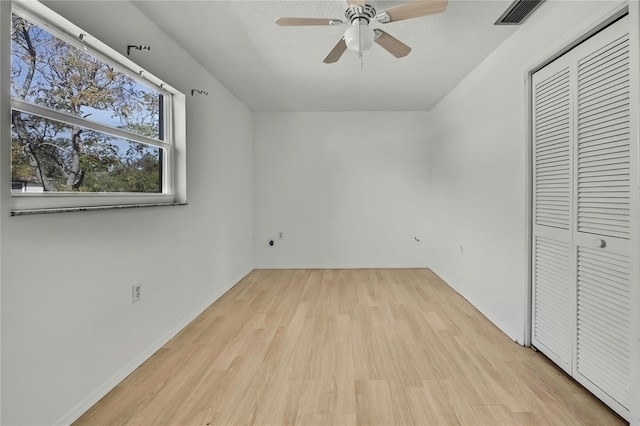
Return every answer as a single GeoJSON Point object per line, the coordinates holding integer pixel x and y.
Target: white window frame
{"type": "Point", "coordinates": [173, 144]}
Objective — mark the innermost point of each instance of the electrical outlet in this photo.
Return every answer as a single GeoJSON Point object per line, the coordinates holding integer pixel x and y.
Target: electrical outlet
{"type": "Point", "coordinates": [136, 292]}
{"type": "Point", "coordinates": [461, 250]}
{"type": "Point", "coordinates": [281, 236]}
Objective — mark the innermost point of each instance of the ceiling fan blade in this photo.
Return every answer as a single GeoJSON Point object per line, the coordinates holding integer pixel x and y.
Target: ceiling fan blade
{"type": "Point", "coordinates": [336, 52]}
{"type": "Point", "coordinates": [294, 22]}
{"type": "Point", "coordinates": [391, 44]}
{"type": "Point", "coordinates": [356, 2]}
{"type": "Point", "coordinates": [413, 9]}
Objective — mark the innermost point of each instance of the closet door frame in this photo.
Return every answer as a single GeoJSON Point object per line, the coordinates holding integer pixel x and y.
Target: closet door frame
{"type": "Point", "coordinates": [606, 16]}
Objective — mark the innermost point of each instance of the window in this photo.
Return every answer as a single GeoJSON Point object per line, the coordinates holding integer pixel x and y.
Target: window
{"type": "Point", "coordinates": [89, 128]}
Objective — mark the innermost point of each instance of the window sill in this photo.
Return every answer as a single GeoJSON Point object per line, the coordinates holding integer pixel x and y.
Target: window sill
{"type": "Point", "coordinates": [92, 208]}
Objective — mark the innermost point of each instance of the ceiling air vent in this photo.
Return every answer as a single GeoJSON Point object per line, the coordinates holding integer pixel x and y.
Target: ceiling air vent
{"type": "Point", "coordinates": [518, 12]}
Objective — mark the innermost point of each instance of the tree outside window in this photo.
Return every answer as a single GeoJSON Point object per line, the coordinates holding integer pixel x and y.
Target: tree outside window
{"type": "Point", "coordinates": [83, 153]}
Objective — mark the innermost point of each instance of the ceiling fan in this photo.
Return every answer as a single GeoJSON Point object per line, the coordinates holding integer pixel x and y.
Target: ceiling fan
{"type": "Point", "coordinates": [359, 37]}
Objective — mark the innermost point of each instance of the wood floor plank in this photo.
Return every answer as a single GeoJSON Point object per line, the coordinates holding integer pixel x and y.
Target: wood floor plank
{"type": "Point", "coordinates": [373, 403]}
{"type": "Point", "coordinates": [345, 347]}
{"type": "Point", "coordinates": [430, 405]}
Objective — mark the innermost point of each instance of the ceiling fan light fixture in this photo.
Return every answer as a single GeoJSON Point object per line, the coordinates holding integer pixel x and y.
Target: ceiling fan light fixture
{"type": "Point", "coordinates": [359, 37]}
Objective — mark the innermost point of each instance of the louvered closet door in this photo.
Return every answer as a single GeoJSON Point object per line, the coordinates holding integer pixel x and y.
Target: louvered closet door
{"type": "Point", "coordinates": [585, 239]}
{"type": "Point", "coordinates": [553, 304]}
{"type": "Point", "coordinates": [602, 234]}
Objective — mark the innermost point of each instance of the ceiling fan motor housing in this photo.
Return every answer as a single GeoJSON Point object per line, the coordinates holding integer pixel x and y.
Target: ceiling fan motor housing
{"type": "Point", "coordinates": [357, 12]}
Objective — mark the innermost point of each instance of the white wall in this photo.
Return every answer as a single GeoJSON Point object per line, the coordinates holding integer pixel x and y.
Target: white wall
{"type": "Point", "coordinates": [347, 189]}
{"type": "Point", "coordinates": [477, 163]}
{"type": "Point", "coordinates": [69, 329]}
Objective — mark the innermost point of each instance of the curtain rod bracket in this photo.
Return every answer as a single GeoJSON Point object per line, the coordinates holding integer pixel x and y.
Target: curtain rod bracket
{"type": "Point", "coordinates": [137, 47]}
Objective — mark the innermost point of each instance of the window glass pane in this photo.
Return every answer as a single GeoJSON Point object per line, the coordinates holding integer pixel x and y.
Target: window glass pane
{"type": "Point", "coordinates": [51, 156]}
{"type": "Point", "coordinates": [48, 71]}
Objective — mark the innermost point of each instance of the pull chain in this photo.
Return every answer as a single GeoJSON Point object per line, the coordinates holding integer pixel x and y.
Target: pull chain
{"type": "Point", "coordinates": [360, 45]}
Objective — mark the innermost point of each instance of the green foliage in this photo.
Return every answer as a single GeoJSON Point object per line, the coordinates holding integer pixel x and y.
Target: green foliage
{"type": "Point", "coordinates": [49, 72]}
{"type": "Point", "coordinates": [133, 175]}
{"type": "Point", "coordinates": [21, 170]}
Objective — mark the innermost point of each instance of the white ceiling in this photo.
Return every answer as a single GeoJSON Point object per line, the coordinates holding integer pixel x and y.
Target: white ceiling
{"type": "Point", "coordinates": [272, 68]}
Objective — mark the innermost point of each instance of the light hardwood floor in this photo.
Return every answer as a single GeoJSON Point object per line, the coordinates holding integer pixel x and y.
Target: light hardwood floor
{"type": "Point", "coordinates": [319, 347]}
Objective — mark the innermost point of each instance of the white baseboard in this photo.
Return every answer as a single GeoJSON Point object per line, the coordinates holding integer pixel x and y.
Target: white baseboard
{"type": "Point", "coordinates": [106, 387]}
{"type": "Point", "coordinates": [459, 290]}
{"type": "Point", "coordinates": [377, 266]}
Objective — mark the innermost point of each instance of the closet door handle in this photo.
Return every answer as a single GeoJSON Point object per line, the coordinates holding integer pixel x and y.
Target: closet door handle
{"type": "Point", "coordinates": [600, 243]}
